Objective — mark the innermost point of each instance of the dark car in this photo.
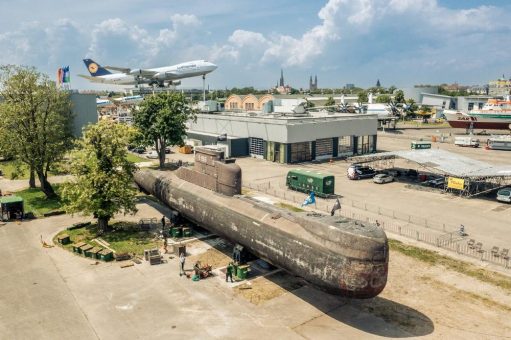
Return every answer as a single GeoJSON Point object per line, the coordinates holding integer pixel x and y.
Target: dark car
{"type": "Point", "coordinates": [360, 172]}
{"type": "Point", "coordinates": [139, 149]}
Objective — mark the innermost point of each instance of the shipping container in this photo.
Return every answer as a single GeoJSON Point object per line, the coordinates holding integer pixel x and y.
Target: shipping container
{"type": "Point", "coordinates": [322, 184]}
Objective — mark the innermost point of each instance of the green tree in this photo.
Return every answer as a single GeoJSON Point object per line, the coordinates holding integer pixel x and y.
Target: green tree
{"type": "Point", "coordinates": [103, 177]}
{"type": "Point", "coordinates": [399, 97]}
{"type": "Point", "coordinates": [411, 108]}
{"type": "Point", "coordinates": [383, 98]}
{"type": "Point", "coordinates": [37, 116]}
{"type": "Point", "coordinates": [362, 97]}
{"type": "Point", "coordinates": [330, 101]}
{"type": "Point", "coordinates": [161, 120]}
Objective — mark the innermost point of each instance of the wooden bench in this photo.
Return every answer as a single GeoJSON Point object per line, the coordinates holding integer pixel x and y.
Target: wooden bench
{"type": "Point", "coordinates": [122, 257]}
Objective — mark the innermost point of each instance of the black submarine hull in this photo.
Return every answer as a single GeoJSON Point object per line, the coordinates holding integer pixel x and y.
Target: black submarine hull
{"type": "Point", "coordinates": [338, 255]}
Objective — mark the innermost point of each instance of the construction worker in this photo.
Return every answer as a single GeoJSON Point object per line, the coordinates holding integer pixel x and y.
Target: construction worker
{"type": "Point", "coordinates": [196, 269]}
{"type": "Point", "coordinates": [182, 260]}
{"type": "Point", "coordinates": [228, 271]}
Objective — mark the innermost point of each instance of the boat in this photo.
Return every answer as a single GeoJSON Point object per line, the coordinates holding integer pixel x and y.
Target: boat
{"type": "Point", "coordinates": [494, 115]}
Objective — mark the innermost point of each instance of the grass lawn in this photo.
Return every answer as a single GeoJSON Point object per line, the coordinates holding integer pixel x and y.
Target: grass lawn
{"type": "Point", "coordinates": [136, 159]}
{"type": "Point", "coordinates": [125, 237]}
{"type": "Point", "coordinates": [11, 171]}
{"type": "Point", "coordinates": [36, 202]}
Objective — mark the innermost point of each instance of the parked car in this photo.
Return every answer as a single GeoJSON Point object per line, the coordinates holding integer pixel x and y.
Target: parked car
{"type": "Point", "coordinates": [139, 149]}
{"type": "Point", "coordinates": [359, 172]}
{"type": "Point", "coordinates": [152, 154]}
{"type": "Point", "coordinates": [436, 182]}
{"type": "Point", "coordinates": [504, 195]}
{"type": "Point", "coordinates": [383, 178]}
{"type": "Point", "coordinates": [167, 150]}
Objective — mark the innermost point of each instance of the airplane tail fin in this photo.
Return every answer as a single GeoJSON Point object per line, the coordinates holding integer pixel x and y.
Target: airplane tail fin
{"type": "Point", "coordinates": [95, 69]}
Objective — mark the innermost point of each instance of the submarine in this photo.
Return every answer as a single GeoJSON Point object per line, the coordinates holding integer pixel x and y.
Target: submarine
{"type": "Point", "coordinates": [339, 255]}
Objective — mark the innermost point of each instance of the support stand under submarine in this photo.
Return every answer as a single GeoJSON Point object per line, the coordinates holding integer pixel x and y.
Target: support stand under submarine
{"type": "Point", "coordinates": [339, 255]}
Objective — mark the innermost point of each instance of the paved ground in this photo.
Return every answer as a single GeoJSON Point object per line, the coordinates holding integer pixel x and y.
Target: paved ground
{"type": "Point", "coordinates": [54, 294]}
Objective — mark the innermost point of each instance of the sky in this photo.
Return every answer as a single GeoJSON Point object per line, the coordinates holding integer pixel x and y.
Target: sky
{"type": "Point", "coordinates": [399, 42]}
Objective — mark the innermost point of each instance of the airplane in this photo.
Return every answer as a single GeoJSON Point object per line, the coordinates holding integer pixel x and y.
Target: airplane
{"type": "Point", "coordinates": [152, 76]}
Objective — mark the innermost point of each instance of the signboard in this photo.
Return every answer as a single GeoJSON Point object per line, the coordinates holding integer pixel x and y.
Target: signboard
{"type": "Point", "coordinates": [455, 183]}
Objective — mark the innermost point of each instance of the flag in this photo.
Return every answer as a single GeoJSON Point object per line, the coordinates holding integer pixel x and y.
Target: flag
{"type": "Point", "coordinates": [60, 73]}
{"type": "Point", "coordinates": [66, 76]}
{"type": "Point", "coordinates": [337, 206]}
{"type": "Point", "coordinates": [309, 199]}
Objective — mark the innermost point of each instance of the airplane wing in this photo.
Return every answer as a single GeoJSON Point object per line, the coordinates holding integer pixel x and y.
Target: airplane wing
{"type": "Point", "coordinates": [92, 79]}
{"type": "Point", "coordinates": [120, 69]}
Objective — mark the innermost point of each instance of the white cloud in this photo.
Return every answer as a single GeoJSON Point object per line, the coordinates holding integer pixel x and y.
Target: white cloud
{"type": "Point", "coordinates": [116, 39]}
{"type": "Point", "coordinates": [341, 18]}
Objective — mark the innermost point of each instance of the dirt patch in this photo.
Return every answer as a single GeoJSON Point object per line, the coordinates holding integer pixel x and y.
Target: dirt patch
{"type": "Point", "coordinates": [263, 289]}
{"type": "Point", "coordinates": [212, 257]}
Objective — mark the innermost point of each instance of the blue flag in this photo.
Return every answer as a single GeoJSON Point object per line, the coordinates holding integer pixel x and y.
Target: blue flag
{"type": "Point", "coordinates": [66, 77]}
{"type": "Point", "coordinates": [310, 199]}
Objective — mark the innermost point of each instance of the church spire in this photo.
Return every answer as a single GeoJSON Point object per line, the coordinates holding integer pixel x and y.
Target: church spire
{"type": "Point", "coordinates": [281, 77]}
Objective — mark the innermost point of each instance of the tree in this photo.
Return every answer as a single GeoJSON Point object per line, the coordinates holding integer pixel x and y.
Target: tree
{"type": "Point", "coordinates": [330, 101]}
{"type": "Point", "coordinates": [362, 97]}
{"type": "Point", "coordinates": [103, 184]}
{"type": "Point", "coordinates": [411, 108]}
{"type": "Point", "coordinates": [161, 121]}
{"type": "Point", "coordinates": [399, 97]}
{"type": "Point", "coordinates": [35, 120]}
{"type": "Point", "coordinates": [383, 98]}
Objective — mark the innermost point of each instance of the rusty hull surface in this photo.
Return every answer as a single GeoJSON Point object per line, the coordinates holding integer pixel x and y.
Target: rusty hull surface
{"type": "Point", "coordinates": [339, 255]}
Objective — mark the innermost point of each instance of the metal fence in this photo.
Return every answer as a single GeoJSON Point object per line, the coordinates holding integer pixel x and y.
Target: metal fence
{"type": "Point", "coordinates": [438, 236]}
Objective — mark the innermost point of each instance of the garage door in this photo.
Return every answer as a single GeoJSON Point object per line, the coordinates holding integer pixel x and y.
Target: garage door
{"type": "Point", "coordinates": [324, 148]}
{"type": "Point", "coordinates": [256, 148]}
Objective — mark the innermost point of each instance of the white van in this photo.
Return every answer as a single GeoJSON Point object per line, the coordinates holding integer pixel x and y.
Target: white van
{"type": "Point", "coordinates": [466, 141]}
{"type": "Point", "coordinates": [504, 195]}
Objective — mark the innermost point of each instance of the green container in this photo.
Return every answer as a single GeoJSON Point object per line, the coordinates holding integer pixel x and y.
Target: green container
{"type": "Point", "coordinates": [84, 250]}
{"type": "Point", "coordinates": [187, 232]}
{"type": "Point", "coordinates": [106, 255]}
{"type": "Point", "coordinates": [77, 246]}
{"type": "Point", "coordinates": [177, 232]}
{"type": "Point", "coordinates": [242, 272]}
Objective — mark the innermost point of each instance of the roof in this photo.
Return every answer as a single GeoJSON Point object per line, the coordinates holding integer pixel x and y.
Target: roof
{"type": "Point", "coordinates": [446, 162]}
{"type": "Point", "coordinates": [11, 199]}
{"type": "Point", "coordinates": [314, 174]}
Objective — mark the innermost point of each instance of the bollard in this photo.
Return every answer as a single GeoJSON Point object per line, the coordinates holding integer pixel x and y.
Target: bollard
{"type": "Point", "coordinates": [399, 229]}
{"type": "Point", "coordinates": [417, 233]}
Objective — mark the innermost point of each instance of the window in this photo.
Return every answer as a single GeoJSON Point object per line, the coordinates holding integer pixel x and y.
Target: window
{"type": "Point", "coordinates": [345, 145]}
{"type": "Point", "coordinates": [301, 152]}
{"type": "Point", "coordinates": [324, 147]}
{"type": "Point", "coordinates": [470, 106]}
{"type": "Point", "coordinates": [256, 147]}
{"type": "Point", "coordinates": [365, 144]}
{"type": "Point", "coordinates": [233, 105]}
{"type": "Point", "coordinates": [249, 106]}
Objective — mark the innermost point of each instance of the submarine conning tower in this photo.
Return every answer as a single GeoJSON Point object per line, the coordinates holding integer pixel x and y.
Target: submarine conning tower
{"type": "Point", "coordinates": [214, 172]}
